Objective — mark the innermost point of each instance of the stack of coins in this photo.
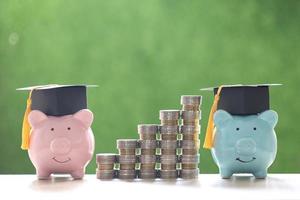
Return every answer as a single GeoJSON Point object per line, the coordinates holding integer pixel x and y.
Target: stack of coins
{"type": "Point", "coordinates": [127, 158]}
{"type": "Point", "coordinates": [169, 130]}
{"type": "Point", "coordinates": [105, 166]}
{"type": "Point", "coordinates": [189, 166]}
{"type": "Point", "coordinates": [147, 131]}
{"type": "Point", "coordinates": [148, 145]}
{"type": "Point", "coordinates": [191, 102]}
{"type": "Point", "coordinates": [190, 129]}
{"type": "Point", "coordinates": [173, 154]}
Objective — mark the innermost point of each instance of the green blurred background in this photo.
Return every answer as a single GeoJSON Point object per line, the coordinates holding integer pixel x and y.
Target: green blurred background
{"type": "Point", "coordinates": [144, 55]}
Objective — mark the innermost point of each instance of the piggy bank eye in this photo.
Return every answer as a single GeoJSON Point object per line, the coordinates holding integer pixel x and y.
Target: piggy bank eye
{"type": "Point", "coordinates": [69, 128]}
{"type": "Point", "coordinates": [254, 128]}
{"type": "Point", "coordinates": [237, 129]}
{"type": "Point", "coordinates": [52, 129]}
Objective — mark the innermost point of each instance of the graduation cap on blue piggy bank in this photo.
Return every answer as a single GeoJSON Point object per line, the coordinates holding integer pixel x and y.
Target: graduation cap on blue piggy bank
{"type": "Point", "coordinates": [240, 131]}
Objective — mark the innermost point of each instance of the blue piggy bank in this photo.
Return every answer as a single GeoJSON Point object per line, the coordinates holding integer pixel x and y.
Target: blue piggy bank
{"type": "Point", "coordinates": [244, 144]}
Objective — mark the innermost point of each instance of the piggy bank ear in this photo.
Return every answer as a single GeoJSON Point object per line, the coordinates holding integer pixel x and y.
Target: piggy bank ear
{"type": "Point", "coordinates": [85, 116]}
{"type": "Point", "coordinates": [35, 117]}
{"type": "Point", "coordinates": [269, 116]}
{"type": "Point", "coordinates": [220, 117]}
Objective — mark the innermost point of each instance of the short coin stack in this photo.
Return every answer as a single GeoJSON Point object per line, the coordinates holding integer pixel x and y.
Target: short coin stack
{"type": "Point", "coordinates": [148, 146]}
{"type": "Point", "coordinates": [127, 158]}
{"type": "Point", "coordinates": [106, 165]}
{"type": "Point", "coordinates": [169, 130]}
{"type": "Point", "coordinates": [190, 130]}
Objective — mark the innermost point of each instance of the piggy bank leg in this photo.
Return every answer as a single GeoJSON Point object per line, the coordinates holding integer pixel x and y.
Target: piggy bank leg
{"type": "Point", "coordinates": [225, 173]}
{"type": "Point", "coordinates": [43, 174]}
{"type": "Point", "coordinates": [78, 174]}
{"type": "Point", "coordinates": [261, 174]}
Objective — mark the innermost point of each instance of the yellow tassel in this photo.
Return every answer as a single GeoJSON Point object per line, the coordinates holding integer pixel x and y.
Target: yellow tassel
{"type": "Point", "coordinates": [26, 126]}
{"type": "Point", "coordinates": [208, 142]}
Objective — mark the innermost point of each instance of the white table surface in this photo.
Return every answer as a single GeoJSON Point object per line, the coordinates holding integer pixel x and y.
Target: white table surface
{"type": "Point", "coordinates": [275, 186]}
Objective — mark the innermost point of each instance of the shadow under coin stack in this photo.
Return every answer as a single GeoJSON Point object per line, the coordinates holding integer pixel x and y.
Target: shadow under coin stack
{"type": "Point", "coordinates": [106, 165]}
{"type": "Point", "coordinates": [127, 158]}
{"type": "Point", "coordinates": [169, 130]}
{"type": "Point", "coordinates": [148, 144]}
{"type": "Point", "coordinates": [190, 143]}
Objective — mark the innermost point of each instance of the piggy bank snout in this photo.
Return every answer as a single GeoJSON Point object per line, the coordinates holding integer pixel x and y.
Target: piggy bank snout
{"type": "Point", "coordinates": [245, 147]}
{"type": "Point", "coordinates": [60, 146]}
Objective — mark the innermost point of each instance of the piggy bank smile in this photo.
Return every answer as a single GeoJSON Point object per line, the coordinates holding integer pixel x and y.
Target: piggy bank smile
{"type": "Point", "coordinates": [61, 161]}
{"type": "Point", "coordinates": [245, 161]}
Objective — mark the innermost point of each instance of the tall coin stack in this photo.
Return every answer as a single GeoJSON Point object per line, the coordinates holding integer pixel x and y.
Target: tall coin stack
{"type": "Point", "coordinates": [190, 131]}
{"type": "Point", "coordinates": [169, 130]}
{"type": "Point", "coordinates": [127, 158]}
{"type": "Point", "coordinates": [148, 144]}
{"type": "Point", "coordinates": [106, 166]}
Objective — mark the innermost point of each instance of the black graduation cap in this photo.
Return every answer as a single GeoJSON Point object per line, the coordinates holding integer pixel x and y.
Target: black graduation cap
{"type": "Point", "coordinates": [53, 100]}
{"type": "Point", "coordinates": [58, 100]}
{"type": "Point", "coordinates": [237, 100]}
{"type": "Point", "coordinates": [243, 99]}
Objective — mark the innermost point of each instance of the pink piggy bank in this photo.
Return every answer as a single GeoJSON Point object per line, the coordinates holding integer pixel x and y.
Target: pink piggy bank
{"type": "Point", "coordinates": [62, 144]}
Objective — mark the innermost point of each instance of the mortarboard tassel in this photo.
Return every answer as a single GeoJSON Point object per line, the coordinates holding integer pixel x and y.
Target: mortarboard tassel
{"type": "Point", "coordinates": [208, 142]}
{"type": "Point", "coordinates": [26, 126]}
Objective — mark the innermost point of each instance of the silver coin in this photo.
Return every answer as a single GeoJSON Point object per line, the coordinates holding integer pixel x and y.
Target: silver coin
{"type": "Point", "coordinates": [190, 115]}
{"type": "Point", "coordinates": [147, 174]}
{"type": "Point", "coordinates": [106, 158]}
{"type": "Point", "coordinates": [168, 174]}
{"type": "Point", "coordinates": [127, 174]}
{"type": "Point", "coordinates": [105, 174]}
{"type": "Point", "coordinates": [147, 128]}
{"type": "Point", "coordinates": [190, 129]}
{"type": "Point", "coordinates": [168, 144]}
{"type": "Point", "coordinates": [191, 100]}
{"type": "Point", "coordinates": [168, 129]}
{"type": "Point", "coordinates": [148, 158]}
{"type": "Point", "coordinates": [169, 114]}
{"type": "Point", "coordinates": [190, 159]}
{"type": "Point", "coordinates": [105, 166]}
{"type": "Point", "coordinates": [189, 173]}
{"type": "Point", "coordinates": [126, 143]}
{"type": "Point", "coordinates": [168, 159]}
{"type": "Point", "coordinates": [190, 144]}
{"type": "Point", "coordinates": [127, 159]}
{"type": "Point", "coordinates": [148, 144]}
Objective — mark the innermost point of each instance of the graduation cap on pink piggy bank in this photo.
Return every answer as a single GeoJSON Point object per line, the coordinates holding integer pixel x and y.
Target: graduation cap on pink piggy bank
{"type": "Point", "coordinates": [57, 130]}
